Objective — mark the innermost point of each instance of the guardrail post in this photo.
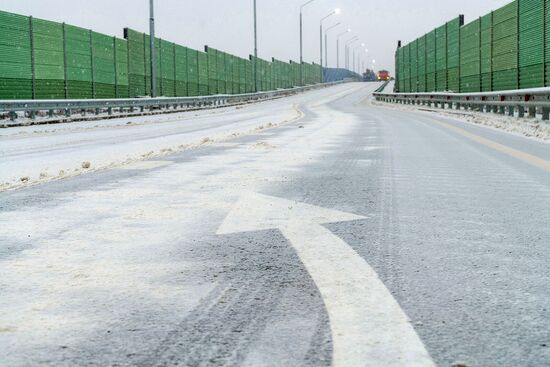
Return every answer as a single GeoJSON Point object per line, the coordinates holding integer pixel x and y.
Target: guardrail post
{"type": "Point", "coordinates": [50, 113]}
{"type": "Point", "coordinates": [532, 112]}
{"type": "Point", "coordinates": [521, 111]}
{"type": "Point", "coordinates": [67, 112]}
{"type": "Point", "coordinates": [546, 113]}
{"type": "Point", "coordinates": [502, 110]}
{"type": "Point", "coordinates": [511, 110]}
{"type": "Point", "coordinates": [13, 115]}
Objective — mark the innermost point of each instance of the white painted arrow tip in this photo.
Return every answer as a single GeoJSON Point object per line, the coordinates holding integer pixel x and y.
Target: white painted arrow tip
{"type": "Point", "coordinates": [257, 212]}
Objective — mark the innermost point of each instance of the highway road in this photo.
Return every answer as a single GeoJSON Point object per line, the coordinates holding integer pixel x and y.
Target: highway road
{"type": "Point", "coordinates": [313, 230]}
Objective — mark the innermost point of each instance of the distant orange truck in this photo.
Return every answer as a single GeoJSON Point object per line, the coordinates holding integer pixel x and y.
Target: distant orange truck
{"type": "Point", "coordinates": [383, 75]}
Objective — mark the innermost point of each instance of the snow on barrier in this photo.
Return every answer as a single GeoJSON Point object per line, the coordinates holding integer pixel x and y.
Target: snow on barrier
{"type": "Point", "coordinates": [532, 102]}
{"type": "Point", "coordinates": [53, 111]}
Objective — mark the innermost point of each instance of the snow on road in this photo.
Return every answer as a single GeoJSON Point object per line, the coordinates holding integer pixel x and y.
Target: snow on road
{"type": "Point", "coordinates": [37, 154]}
{"type": "Point", "coordinates": [108, 257]}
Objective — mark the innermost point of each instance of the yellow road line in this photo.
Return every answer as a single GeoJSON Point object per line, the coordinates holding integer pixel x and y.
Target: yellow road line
{"type": "Point", "coordinates": [518, 154]}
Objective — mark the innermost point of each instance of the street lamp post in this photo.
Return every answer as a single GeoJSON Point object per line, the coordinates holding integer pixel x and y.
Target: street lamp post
{"type": "Point", "coordinates": [338, 47]}
{"type": "Point", "coordinates": [334, 12]}
{"type": "Point", "coordinates": [302, 40]}
{"type": "Point", "coordinates": [349, 43]}
{"type": "Point", "coordinates": [152, 49]}
{"type": "Point", "coordinates": [255, 49]}
{"type": "Point", "coordinates": [326, 42]}
{"type": "Point", "coordinates": [354, 57]}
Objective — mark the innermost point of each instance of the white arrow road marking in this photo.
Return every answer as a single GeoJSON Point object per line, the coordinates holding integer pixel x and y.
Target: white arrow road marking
{"type": "Point", "coordinates": [368, 326]}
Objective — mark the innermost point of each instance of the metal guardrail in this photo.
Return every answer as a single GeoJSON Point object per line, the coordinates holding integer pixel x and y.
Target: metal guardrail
{"type": "Point", "coordinates": [531, 101]}
{"type": "Point", "coordinates": [382, 87]}
{"type": "Point", "coordinates": [51, 111]}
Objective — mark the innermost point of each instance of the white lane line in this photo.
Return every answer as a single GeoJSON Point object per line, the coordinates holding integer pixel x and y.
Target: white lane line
{"type": "Point", "coordinates": [369, 328]}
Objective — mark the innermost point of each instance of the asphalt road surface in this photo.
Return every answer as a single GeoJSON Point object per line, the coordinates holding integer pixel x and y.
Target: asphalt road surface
{"type": "Point", "coordinates": [339, 233]}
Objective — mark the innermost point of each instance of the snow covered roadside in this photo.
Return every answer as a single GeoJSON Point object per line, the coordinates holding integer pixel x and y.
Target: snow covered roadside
{"type": "Point", "coordinates": [87, 156]}
{"type": "Point", "coordinates": [533, 128]}
{"type": "Point", "coordinates": [37, 154]}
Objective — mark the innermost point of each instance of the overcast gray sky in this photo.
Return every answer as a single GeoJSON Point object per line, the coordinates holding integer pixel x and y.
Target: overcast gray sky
{"type": "Point", "coordinates": [228, 24]}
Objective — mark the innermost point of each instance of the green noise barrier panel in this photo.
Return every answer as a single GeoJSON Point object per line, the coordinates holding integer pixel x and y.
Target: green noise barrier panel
{"type": "Point", "coordinates": [441, 57]}
{"type": "Point", "coordinates": [486, 52]}
{"type": "Point", "coordinates": [40, 59]}
{"type": "Point", "coordinates": [506, 49]}
{"type": "Point", "coordinates": [453, 54]}
{"type": "Point", "coordinates": [242, 76]}
{"type": "Point", "coordinates": [220, 72]}
{"type": "Point", "coordinates": [470, 57]}
{"type": "Point", "coordinates": [531, 44]}
{"type": "Point", "coordinates": [250, 76]}
{"type": "Point", "coordinates": [430, 62]}
{"type": "Point", "coordinates": [212, 70]}
{"type": "Point", "coordinates": [192, 72]}
{"type": "Point", "coordinates": [180, 70]}
{"type": "Point", "coordinates": [49, 61]}
{"type": "Point", "coordinates": [121, 67]}
{"type": "Point", "coordinates": [78, 59]}
{"type": "Point", "coordinates": [103, 52]}
{"type": "Point", "coordinates": [414, 65]}
{"type": "Point", "coordinates": [16, 72]}
{"type": "Point", "coordinates": [167, 69]}
{"type": "Point", "coordinates": [147, 42]}
{"type": "Point", "coordinates": [421, 79]}
{"type": "Point", "coordinates": [202, 61]}
{"type": "Point", "coordinates": [136, 63]}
